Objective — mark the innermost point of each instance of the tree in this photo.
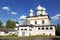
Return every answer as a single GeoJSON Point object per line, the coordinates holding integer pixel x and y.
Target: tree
{"type": "Point", "coordinates": [10, 24]}
{"type": "Point", "coordinates": [1, 23]}
{"type": "Point", "coordinates": [58, 30]}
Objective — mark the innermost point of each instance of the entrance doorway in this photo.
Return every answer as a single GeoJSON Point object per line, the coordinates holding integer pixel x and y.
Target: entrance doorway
{"type": "Point", "coordinates": [23, 33]}
{"type": "Point", "coordinates": [43, 33]}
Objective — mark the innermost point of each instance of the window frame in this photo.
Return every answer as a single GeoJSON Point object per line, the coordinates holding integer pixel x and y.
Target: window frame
{"type": "Point", "coordinates": [42, 21]}
{"type": "Point", "coordinates": [35, 22]}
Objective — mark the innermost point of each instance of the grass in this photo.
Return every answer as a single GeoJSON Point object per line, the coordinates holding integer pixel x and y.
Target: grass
{"type": "Point", "coordinates": [10, 36]}
{"type": "Point", "coordinates": [38, 36]}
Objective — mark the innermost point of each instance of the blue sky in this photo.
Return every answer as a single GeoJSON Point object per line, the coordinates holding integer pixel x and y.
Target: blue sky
{"type": "Point", "coordinates": [15, 9]}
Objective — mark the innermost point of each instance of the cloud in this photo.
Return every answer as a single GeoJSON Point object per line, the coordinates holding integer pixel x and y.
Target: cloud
{"type": "Point", "coordinates": [14, 13]}
{"type": "Point", "coordinates": [5, 8]}
{"type": "Point", "coordinates": [56, 17]}
{"type": "Point", "coordinates": [8, 10]}
{"type": "Point", "coordinates": [23, 17]}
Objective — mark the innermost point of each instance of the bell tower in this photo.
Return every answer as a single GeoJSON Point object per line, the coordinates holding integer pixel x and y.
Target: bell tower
{"type": "Point", "coordinates": [38, 10]}
{"type": "Point", "coordinates": [41, 10]}
{"type": "Point", "coordinates": [31, 12]}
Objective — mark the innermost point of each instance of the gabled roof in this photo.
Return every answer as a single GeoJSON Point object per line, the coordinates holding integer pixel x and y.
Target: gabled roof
{"type": "Point", "coordinates": [26, 22]}
{"type": "Point", "coordinates": [6, 29]}
{"type": "Point", "coordinates": [3, 29]}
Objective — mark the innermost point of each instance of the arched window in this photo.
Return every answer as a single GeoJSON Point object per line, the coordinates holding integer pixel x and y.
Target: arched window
{"type": "Point", "coordinates": [35, 22]}
{"type": "Point", "coordinates": [51, 28]}
{"type": "Point", "coordinates": [39, 28]}
{"type": "Point", "coordinates": [21, 29]}
{"type": "Point", "coordinates": [6, 31]}
{"type": "Point", "coordinates": [30, 29]}
{"type": "Point", "coordinates": [47, 28]}
{"type": "Point", "coordinates": [42, 21]}
{"type": "Point", "coordinates": [25, 29]}
{"type": "Point", "coordinates": [18, 28]}
{"type": "Point", "coordinates": [43, 28]}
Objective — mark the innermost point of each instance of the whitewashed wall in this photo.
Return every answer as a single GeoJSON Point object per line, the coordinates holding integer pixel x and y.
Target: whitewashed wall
{"type": "Point", "coordinates": [35, 31]}
{"type": "Point", "coordinates": [2, 33]}
{"type": "Point", "coordinates": [39, 20]}
{"type": "Point", "coordinates": [26, 31]}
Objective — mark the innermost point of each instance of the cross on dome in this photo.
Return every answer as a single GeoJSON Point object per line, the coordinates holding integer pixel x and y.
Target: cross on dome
{"type": "Point", "coordinates": [39, 7]}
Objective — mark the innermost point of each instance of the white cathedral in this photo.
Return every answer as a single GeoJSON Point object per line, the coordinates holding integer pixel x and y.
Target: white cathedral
{"type": "Point", "coordinates": [36, 25]}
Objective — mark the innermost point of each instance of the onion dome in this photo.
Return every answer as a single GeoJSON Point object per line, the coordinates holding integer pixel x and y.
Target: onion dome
{"type": "Point", "coordinates": [31, 11]}
{"type": "Point", "coordinates": [39, 7]}
{"type": "Point", "coordinates": [17, 22]}
{"type": "Point", "coordinates": [43, 9]}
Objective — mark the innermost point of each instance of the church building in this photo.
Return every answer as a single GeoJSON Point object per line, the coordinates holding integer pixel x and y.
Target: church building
{"type": "Point", "coordinates": [38, 24]}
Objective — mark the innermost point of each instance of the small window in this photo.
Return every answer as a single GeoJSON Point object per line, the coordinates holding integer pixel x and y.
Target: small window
{"type": "Point", "coordinates": [43, 33]}
{"type": "Point", "coordinates": [18, 28]}
{"type": "Point", "coordinates": [46, 28]}
{"type": "Point", "coordinates": [42, 21]}
{"type": "Point", "coordinates": [21, 29]}
{"type": "Point", "coordinates": [38, 28]}
{"type": "Point", "coordinates": [51, 28]}
{"type": "Point", "coordinates": [30, 29]}
{"type": "Point", "coordinates": [35, 22]}
{"type": "Point", "coordinates": [42, 28]}
{"type": "Point", "coordinates": [25, 29]}
{"type": "Point", "coordinates": [6, 32]}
